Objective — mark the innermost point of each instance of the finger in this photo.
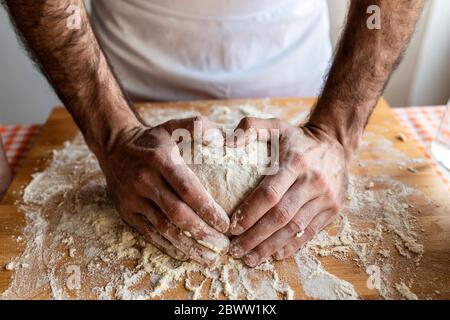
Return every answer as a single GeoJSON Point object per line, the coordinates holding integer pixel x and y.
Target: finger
{"type": "Point", "coordinates": [317, 224]}
{"type": "Point", "coordinates": [196, 126]}
{"type": "Point", "coordinates": [151, 235]}
{"type": "Point", "coordinates": [178, 239]}
{"type": "Point", "coordinates": [188, 187]}
{"type": "Point", "coordinates": [181, 215]}
{"type": "Point", "coordinates": [185, 182]}
{"type": "Point", "coordinates": [264, 197]}
{"type": "Point", "coordinates": [280, 238]}
{"type": "Point", "coordinates": [275, 219]}
{"type": "Point", "coordinates": [251, 129]}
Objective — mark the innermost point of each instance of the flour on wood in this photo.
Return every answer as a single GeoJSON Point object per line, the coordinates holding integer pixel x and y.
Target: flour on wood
{"type": "Point", "coordinates": [74, 233]}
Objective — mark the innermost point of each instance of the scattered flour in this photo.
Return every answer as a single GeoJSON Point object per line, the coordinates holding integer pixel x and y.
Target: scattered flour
{"type": "Point", "coordinates": [78, 247]}
{"type": "Point", "coordinates": [10, 266]}
{"type": "Point", "coordinates": [405, 291]}
{"type": "Point", "coordinates": [320, 284]}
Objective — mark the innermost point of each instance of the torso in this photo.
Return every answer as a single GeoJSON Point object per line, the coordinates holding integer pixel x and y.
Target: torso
{"type": "Point", "coordinates": [195, 49]}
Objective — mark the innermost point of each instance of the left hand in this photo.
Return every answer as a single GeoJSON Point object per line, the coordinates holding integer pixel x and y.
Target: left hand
{"type": "Point", "coordinates": [287, 209]}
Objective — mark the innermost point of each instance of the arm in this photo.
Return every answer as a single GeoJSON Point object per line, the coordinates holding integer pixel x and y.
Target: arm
{"type": "Point", "coordinates": [157, 196]}
{"type": "Point", "coordinates": [76, 67]}
{"type": "Point", "coordinates": [306, 194]}
{"type": "Point", "coordinates": [363, 64]}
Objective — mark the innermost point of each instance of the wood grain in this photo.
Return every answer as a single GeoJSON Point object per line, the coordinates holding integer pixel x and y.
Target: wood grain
{"type": "Point", "coordinates": [434, 220]}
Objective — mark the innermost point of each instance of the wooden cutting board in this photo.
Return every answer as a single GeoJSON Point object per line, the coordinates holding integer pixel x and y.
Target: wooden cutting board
{"type": "Point", "coordinates": [435, 265]}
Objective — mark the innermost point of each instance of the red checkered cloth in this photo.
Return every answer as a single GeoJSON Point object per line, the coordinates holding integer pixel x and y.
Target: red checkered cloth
{"type": "Point", "coordinates": [17, 141]}
{"type": "Point", "coordinates": [420, 123]}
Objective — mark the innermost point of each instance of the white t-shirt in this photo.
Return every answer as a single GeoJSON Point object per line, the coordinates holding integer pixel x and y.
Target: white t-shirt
{"type": "Point", "coordinates": [195, 49]}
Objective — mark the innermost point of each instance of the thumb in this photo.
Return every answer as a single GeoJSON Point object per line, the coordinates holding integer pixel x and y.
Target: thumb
{"type": "Point", "coordinates": [190, 129]}
{"type": "Point", "coordinates": [252, 129]}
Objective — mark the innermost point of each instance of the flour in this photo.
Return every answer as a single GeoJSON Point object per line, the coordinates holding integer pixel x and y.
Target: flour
{"type": "Point", "coordinates": [405, 291]}
{"type": "Point", "coordinates": [10, 266]}
{"type": "Point", "coordinates": [73, 229]}
{"type": "Point", "coordinates": [229, 174]}
{"type": "Point", "coordinates": [320, 284]}
{"type": "Point", "coordinates": [381, 224]}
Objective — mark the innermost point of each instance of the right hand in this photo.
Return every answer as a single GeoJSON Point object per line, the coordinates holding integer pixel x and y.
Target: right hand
{"type": "Point", "coordinates": [156, 193]}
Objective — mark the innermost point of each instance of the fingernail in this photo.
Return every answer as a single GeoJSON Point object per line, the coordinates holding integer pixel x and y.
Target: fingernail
{"type": "Point", "coordinates": [204, 256]}
{"type": "Point", "coordinates": [251, 259]}
{"type": "Point", "coordinates": [236, 251]}
{"type": "Point", "coordinates": [217, 244]}
{"type": "Point", "coordinates": [236, 228]}
{"type": "Point", "coordinates": [224, 226]}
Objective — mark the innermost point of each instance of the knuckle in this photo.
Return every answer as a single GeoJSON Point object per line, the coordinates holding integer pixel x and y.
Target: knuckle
{"type": "Point", "coordinates": [271, 194]}
{"type": "Point", "coordinates": [246, 244]}
{"type": "Point", "coordinates": [328, 195]}
{"type": "Point", "coordinates": [140, 178]}
{"type": "Point", "coordinates": [184, 188]}
{"type": "Point", "coordinates": [281, 215]}
{"type": "Point", "coordinates": [318, 180]}
{"type": "Point", "coordinates": [296, 225]}
{"type": "Point", "coordinates": [162, 225]}
{"type": "Point", "coordinates": [310, 231]}
{"type": "Point", "coordinates": [241, 223]}
{"type": "Point", "coordinates": [296, 162]}
{"type": "Point", "coordinates": [264, 250]}
{"type": "Point", "coordinates": [246, 123]}
{"type": "Point", "coordinates": [177, 214]}
{"type": "Point", "coordinates": [156, 155]}
{"type": "Point", "coordinates": [297, 159]}
{"type": "Point", "coordinates": [335, 208]}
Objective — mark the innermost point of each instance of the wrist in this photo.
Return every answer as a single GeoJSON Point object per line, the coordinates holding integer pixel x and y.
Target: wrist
{"type": "Point", "coordinates": [104, 131]}
{"type": "Point", "coordinates": [331, 132]}
{"type": "Point", "coordinates": [343, 122]}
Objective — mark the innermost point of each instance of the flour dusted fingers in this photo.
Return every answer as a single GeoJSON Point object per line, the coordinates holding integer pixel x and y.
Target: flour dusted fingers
{"type": "Point", "coordinates": [318, 223]}
{"type": "Point", "coordinates": [179, 239]}
{"type": "Point", "coordinates": [150, 234]}
{"type": "Point", "coordinates": [181, 215]}
{"type": "Point", "coordinates": [294, 229]}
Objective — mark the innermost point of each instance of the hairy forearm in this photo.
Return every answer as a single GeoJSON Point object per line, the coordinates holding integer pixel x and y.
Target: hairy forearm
{"type": "Point", "coordinates": [362, 66]}
{"type": "Point", "coordinates": [75, 66]}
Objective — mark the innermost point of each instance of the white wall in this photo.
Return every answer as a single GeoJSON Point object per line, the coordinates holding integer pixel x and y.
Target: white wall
{"type": "Point", "coordinates": [25, 96]}
{"type": "Point", "coordinates": [433, 62]}
{"type": "Point", "coordinates": [422, 79]}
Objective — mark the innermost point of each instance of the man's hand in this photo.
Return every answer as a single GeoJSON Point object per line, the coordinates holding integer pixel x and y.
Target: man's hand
{"type": "Point", "coordinates": [287, 209]}
{"type": "Point", "coordinates": [157, 194]}
{"type": "Point", "coordinates": [161, 199]}
{"type": "Point", "coordinates": [306, 193]}
{"type": "Point", "coordinates": [134, 161]}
